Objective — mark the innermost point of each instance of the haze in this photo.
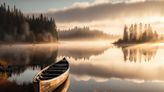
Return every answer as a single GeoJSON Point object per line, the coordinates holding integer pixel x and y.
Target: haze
{"type": "Point", "coordinates": [107, 15]}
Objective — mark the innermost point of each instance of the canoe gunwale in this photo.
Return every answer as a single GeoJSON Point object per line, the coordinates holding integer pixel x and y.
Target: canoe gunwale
{"type": "Point", "coordinates": [55, 78]}
{"type": "Point", "coordinates": [40, 72]}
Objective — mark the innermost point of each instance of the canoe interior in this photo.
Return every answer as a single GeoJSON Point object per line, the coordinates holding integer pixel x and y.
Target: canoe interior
{"type": "Point", "coordinates": [54, 70]}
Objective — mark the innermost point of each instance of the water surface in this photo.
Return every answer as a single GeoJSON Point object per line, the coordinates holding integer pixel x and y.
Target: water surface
{"type": "Point", "coordinates": [94, 66]}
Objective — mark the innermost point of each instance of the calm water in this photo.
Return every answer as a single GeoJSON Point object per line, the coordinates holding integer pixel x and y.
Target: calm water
{"type": "Point", "coordinates": [95, 66]}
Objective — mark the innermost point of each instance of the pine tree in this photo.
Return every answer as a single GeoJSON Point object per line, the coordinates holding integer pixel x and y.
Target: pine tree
{"type": "Point", "coordinates": [15, 25]}
{"type": "Point", "coordinates": [125, 35]}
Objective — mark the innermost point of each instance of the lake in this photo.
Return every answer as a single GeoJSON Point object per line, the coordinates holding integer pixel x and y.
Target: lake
{"type": "Point", "coordinates": [95, 66]}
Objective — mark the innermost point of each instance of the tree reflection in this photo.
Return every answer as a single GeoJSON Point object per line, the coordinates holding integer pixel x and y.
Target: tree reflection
{"type": "Point", "coordinates": [7, 86]}
{"type": "Point", "coordinates": [138, 54]}
{"type": "Point", "coordinates": [83, 52]}
{"type": "Point", "coordinates": [15, 60]}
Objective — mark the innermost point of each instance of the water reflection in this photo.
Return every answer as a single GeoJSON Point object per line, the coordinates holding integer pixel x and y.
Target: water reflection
{"type": "Point", "coordinates": [82, 50]}
{"type": "Point", "coordinates": [139, 53]}
{"type": "Point", "coordinates": [110, 64]}
{"type": "Point", "coordinates": [133, 72]}
{"type": "Point", "coordinates": [114, 85]}
{"type": "Point", "coordinates": [16, 59]}
{"type": "Point", "coordinates": [28, 55]}
{"type": "Point", "coordinates": [8, 86]}
{"type": "Point", "coordinates": [93, 67]}
{"type": "Point", "coordinates": [19, 64]}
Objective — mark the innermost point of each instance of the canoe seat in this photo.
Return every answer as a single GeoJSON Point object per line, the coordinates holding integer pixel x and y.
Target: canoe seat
{"type": "Point", "coordinates": [50, 75]}
{"type": "Point", "coordinates": [45, 78]}
{"type": "Point", "coordinates": [60, 65]}
{"type": "Point", "coordinates": [57, 68]}
{"type": "Point", "coordinates": [53, 72]}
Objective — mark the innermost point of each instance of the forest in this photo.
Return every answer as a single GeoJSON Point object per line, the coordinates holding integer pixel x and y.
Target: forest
{"type": "Point", "coordinates": [15, 27]}
{"type": "Point", "coordinates": [139, 33]}
{"type": "Point", "coordinates": [84, 33]}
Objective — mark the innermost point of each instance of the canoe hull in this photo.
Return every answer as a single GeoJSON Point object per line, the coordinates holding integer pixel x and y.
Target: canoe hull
{"type": "Point", "coordinates": [50, 85]}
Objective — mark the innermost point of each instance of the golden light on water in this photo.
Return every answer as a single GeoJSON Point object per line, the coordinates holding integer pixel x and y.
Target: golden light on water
{"type": "Point", "coordinates": [111, 64]}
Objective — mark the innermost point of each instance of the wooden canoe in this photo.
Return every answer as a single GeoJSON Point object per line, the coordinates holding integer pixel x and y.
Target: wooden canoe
{"type": "Point", "coordinates": [63, 87]}
{"type": "Point", "coordinates": [51, 77]}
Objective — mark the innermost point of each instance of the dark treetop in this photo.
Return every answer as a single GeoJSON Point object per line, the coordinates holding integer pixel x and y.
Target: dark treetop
{"type": "Point", "coordinates": [15, 27]}
{"type": "Point", "coordinates": [139, 34]}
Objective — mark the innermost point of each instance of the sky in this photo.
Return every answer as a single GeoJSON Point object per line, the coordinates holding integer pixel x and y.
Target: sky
{"type": "Point", "coordinates": [109, 16]}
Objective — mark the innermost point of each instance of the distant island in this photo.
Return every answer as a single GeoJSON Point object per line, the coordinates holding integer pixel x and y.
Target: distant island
{"type": "Point", "coordinates": [84, 33]}
{"type": "Point", "coordinates": [15, 27]}
{"type": "Point", "coordinates": [138, 34]}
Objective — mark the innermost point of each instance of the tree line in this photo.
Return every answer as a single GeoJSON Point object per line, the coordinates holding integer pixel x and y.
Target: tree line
{"type": "Point", "coordinates": [84, 33]}
{"type": "Point", "coordinates": [139, 33]}
{"type": "Point", "coordinates": [15, 27]}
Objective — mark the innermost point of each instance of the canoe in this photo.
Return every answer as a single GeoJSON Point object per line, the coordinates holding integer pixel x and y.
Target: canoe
{"type": "Point", "coordinates": [51, 77]}
{"type": "Point", "coordinates": [63, 87]}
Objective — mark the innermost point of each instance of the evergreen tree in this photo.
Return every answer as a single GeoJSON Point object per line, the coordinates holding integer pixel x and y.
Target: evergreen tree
{"type": "Point", "coordinates": [125, 36]}
{"type": "Point", "coordinates": [136, 34]}
{"type": "Point", "coordinates": [140, 32]}
{"type": "Point", "coordinates": [14, 25]}
{"type": "Point", "coordinates": [131, 32]}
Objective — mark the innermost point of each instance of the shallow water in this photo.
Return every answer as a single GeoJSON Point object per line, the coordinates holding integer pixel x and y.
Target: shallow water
{"type": "Point", "coordinates": [94, 66]}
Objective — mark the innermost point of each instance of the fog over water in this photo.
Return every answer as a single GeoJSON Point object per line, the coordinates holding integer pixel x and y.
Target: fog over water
{"type": "Point", "coordinates": [98, 66]}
